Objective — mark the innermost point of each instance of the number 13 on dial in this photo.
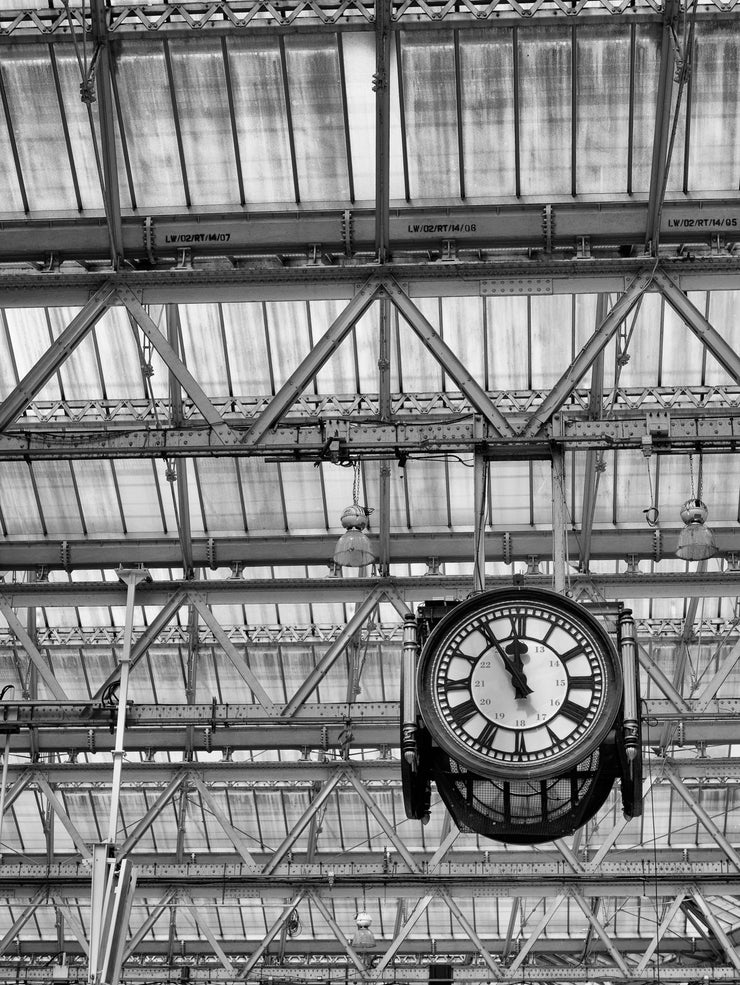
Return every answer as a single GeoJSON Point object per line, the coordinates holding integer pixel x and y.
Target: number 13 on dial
{"type": "Point", "coordinates": [519, 683]}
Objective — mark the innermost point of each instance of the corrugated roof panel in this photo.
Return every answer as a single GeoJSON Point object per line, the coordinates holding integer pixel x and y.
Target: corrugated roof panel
{"type": "Point", "coordinates": [247, 348]}
{"type": "Point", "coordinates": [509, 484]}
{"type": "Point", "coordinates": [359, 66]}
{"type": "Point", "coordinates": [12, 200]}
{"type": "Point", "coordinates": [551, 319]}
{"type": "Point", "coordinates": [420, 371]}
{"type": "Point", "coordinates": [37, 124]}
{"type": "Point", "coordinates": [289, 340]}
{"type": "Point", "coordinates": [602, 93]}
{"type": "Point", "coordinates": [644, 349]}
{"type": "Point", "coordinates": [462, 328]}
{"type": "Point", "coordinates": [18, 504]}
{"type": "Point", "coordinates": [78, 127]}
{"type": "Point", "coordinates": [723, 309]}
{"type": "Point", "coordinates": [317, 117]}
{"type": "Point", "coordinates": [145, 95]}
{"type": "Point", "coordinates": [261, 119]}
{"type": "Point", "coordinates": [488, 112]}
{"type": "Point", "coordinates": [303, 499]}
{"type": "Point", "coordinates": [339, 374]}
{"type": "Point", "coordinates": [205, 125]}
{"type": "Point", "coordinates": [715, 108]}
{"type": "Point", "coordinates": [545, 110]}
{"type": "Point", "coordinates": [262, 500]}
{"type": "Point", "coordinates": [428, 68]}
{"type": "Point", "coordinates": [683, 352]}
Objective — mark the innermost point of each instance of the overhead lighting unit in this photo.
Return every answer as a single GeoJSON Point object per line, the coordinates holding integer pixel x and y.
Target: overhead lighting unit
{"type": "Point", "coordinates": [353, 549]}
{"type": "Point", "coordinates": [696, 542]}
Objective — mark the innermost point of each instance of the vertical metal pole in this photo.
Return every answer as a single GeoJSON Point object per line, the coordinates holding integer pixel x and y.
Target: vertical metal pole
{"type": "Point", "coordinates": [384, 391]}
{"type": "Point", "coordinates": [628, 648]}
{"type": "Point", "coordinates": [381, 84]}
{"type": "Point", "coordinates": [408, 693]}
{"type": "Point", "coordinates": [479, 504]}
{"type": "Point", "coordinates": [4, 788]}
{"type": "Point", "coordinates": [131, 577]}
{"type": "Point", "coordinates": [558, 519]}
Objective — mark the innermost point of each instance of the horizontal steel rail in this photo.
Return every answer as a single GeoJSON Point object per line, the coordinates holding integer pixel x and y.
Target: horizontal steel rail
{"type": "Point", "coordinates": [449, 230]}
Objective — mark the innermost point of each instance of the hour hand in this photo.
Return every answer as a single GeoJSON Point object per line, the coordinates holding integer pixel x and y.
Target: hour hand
{"type": "Point", "coordinates": [516, 673]}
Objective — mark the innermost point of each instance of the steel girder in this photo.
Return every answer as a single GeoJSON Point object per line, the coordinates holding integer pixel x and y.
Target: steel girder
{"type": "Point", "coordinates": [413, 232]}
{"type": "Point", "coordinates": [239, 591]}
{"type": "Point", "coordinates": [512, 546]}
{"type": "Point", "coordinates": [81, 726]}
{"type": "Point", "coordinates": [225, 281]}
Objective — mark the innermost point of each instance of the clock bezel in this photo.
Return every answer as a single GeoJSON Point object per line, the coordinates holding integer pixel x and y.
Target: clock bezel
{"type": "Point", "coordinates": [528, 598]}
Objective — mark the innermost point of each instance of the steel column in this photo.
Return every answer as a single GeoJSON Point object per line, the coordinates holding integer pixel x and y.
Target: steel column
{"type": "Point", "coordinates": [660, 160]}
{"type": "Point", "coordinates": [111, 196]}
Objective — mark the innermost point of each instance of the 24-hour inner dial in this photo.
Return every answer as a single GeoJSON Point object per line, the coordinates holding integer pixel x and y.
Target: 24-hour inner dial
{"type": "Point", "coordinates": [515, 684]}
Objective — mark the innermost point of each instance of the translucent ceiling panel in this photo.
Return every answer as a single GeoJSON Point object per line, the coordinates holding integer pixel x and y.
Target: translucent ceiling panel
{"type": "Point", "coordinates": [430, 104]}
{"type": "Point", "coordinates": [289, 339]}
{"type": "Point", "coordinates": [647, 66]}
{"type": "Point", "coordinates": [140, 496]}
{"type": "Point", "coordinates": [722, 313]}
{"type": "Point", "coordinates": [80, 135]}
{"type": "Point", "coordinates": [247, 349]}
{"type": "Point", "coordinates": [119, 355]}
{"type": "Point", "coordinates": [304, 501]}
{"type": "Point", "coordinates": [18, 504]}
{"type": "Point", "coordinates": [552, 338]}
{"type": "Point", "coordinates": [602, 94]}
{"type": "Point", "coordinates": [715, 109]}
{"type": "Point", "coordinates": [358, 49]}
{"type": "Point", "coordinates": [462, 328]}
{"type": "Point", "coordinates": [262, 495]}
{"type": "Point", "coordinates": [58, 497]}
{"type": "Point", "coordinates": [261, 119]}
{"type": "Point", "coordinates": [30, 337]}
{"type": "Point", "coordinates": [419, 370]}
{"type": "Point", "coordinates": [428, 494]}
{"type": "Point", "coordinates": [507, 331]}
{"type": "Point", "coordinates": [683, 353]}
{"type": "Point", "coordinates": [203, 110]}
{"type": "Point", "coordinates": [203, 347]}
{"type": "Point", "coordinates": [219, 487]}
{"type": "Point", "coordinates": [339, 374]}
{"type": "Point", "coordinates": [545, 110]}
{"type": "Point", "coordinates": [644, 349]}
{"type": "Point", "coordinates": [144, 93]}
{"type": "Point", "coordinates": [79, 373]}
{"type": "Point", "coordinates": [12, 200]}
{"type": "Point", "coordinates": [36, 119]}
{"type": "Point", "coordinates": [487, 93]}
{"type": "Point", "coordinates": [317, 111]}
{"type": "Point", "coordinates": [98, 497]}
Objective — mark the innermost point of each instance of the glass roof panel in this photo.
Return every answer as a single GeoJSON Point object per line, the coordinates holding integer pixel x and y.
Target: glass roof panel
{"type": "Point", "coordinates": [18, 504]}
{"type": "Point", "coordinates": [203, 108]}
{"type": "Point", "coordinates": [428, 67]}
{"type": "Point", "coordinates": [359, 66]}
{"type": "Point", "coordinates": [507, 320]}
{"type": "Point", "coordinates": [602, 93]}
{"type": "Point", "coordinates": [218, 485]}
{"type": "Point", "coordinates": [119, 355]}
{"type": "Point", "coordinates": [715, 109]}
{"type": "Point", "coordinates": [80, 136]}
{"type": "Point", "coordinates": [647, 66]}
{"type": "Point", "coordinates": [144, 91]}
{"type": "Point", "coordinates": [261, 119]}
{"type": "Point", "coordinates": [36, 119]}
{"type": "Point", "coordinates": [58, 497]}
{"type": "Point", "coordinates": [488, 112]}
{"type": "Point", "coordinates": [203, 346]}
{"type": "Point", "coordinates": [28, 329]}
{"type": "Point", "coordinates": [98, 497]}
{"type": "Point", "coordinates": [317, 117]}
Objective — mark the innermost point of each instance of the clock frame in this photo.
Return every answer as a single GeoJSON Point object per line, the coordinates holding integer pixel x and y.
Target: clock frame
{"type": "Point", "coordinates": [519, 683]}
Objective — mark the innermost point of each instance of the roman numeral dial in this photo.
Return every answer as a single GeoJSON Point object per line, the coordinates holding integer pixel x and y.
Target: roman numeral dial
{"type": "Point", "coordinates": [519, 682]}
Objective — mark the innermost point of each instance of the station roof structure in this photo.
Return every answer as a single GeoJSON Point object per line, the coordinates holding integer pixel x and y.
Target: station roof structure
{"type": "Point", "coordinates": [474, 264]}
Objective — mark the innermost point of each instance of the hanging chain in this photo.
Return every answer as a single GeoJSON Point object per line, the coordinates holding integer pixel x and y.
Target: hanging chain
{"type": "Point", "coordinates": [356, 484]}
{"type": "Point", "coordinates": [652, 514]}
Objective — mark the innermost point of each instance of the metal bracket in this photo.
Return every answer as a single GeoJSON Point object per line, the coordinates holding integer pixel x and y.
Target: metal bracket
{"type": "Point", "coordinates": [533, 564]}
{"type": "Point", "coordinates": [211, 553]}
{"type": "Point", "coordinates": [347, 220]}
{"type": "Point", "coordinates": [184, 258]}
{"type": "Point", "coordinates": [449, 251]}
{"type": "Point", "coordinates": [633, 564]}
{"type": "Point", "coordinates": [583, 247]}
{"type": "Point", "coordinates": [548, 227]}
{"type": "Point", "coordinates": [508, 557]}
{"type": "Point", "coordinates": [149, 239]}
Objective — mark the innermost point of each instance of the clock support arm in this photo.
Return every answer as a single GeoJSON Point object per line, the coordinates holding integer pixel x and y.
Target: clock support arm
{"type": "Point", "coordinates": [628, 653]}
{"type": "Point", "coordinates": [409, 710]}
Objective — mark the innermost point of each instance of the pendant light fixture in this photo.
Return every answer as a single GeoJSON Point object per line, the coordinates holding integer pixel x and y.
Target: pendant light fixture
{"type": "Point", "coordinates": [696, 542]}
{"type": "Point", "coordinates": [354, 549]}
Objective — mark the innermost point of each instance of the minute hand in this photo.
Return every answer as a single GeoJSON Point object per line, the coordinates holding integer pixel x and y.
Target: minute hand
{"type": "Point", "coordinates": [518, 678]}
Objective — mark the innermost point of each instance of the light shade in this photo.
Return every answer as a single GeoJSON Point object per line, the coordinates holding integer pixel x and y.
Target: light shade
{"type": "Point", "coordinates": [353, 549]}
{"type": "Point", "coordinates": [696, 542]}
{"type": "Point", "coordinates": [364, 938]}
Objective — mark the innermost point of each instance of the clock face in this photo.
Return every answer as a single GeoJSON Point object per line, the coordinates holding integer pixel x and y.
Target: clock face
{"type": "Point", "coordinates": [519, 683]}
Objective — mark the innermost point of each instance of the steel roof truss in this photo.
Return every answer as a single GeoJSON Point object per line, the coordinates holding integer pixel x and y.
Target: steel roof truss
{"type": "Point", "coordinates": [31, 649]}
{"type": "Point", "coordinates": [600, 930]}
{"type": "Point", "coordinates": [659, 678]}
{"type": "Point", "coordinates": [153, 813]}
{"type": "Point", "coordinates": [661, 151]}
{"type": "Point", "coordinates": [20, 397]}
{"type": "Point", "coordinates": [714, 924]}
{"type": "Point", "coordinates": [395, 945]}
{"type": "Point", "coordinates": [537, 932]}
{"type": "Point", "coordinates": [21, 920]}
{"type": "Point", "coordinates": [710, 338]}
{"type": "Point", "coordinates": [58, 807]}
{"type": "Point", "coordinates": [383, 821]}
{"type": "Point", "coordinates": [273, 931]}
{"type": "Point", "coordinates": [316, 358]}
{"type": "Point", "coordinates": [702, 816]}
{"type": "Point", "coordinates": [470, 931]}
{"type": "Point", "coordinates": [194, 914]}
{"type": "Point", "coordinates": [235, 836]}
{"type": "Point", "coordinates": [303, 821]}
{"type": "Point", "coordinates": [724, 671]}
{"type": "Point", "coordinates": [74, 924]}
{"type": "Point", "coordinates": [323, 909]}
{"type": "Point", "coordinates": [362, 613]}
{"type": "Point", "coordinates": [588, 354]}
{"type": "Point", "coordinates": [149, 923]}
{"type": "Point", "coordinates": [447, 359]}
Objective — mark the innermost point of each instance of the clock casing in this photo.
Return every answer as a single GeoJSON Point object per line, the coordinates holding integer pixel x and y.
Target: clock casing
{"type": "Point", "coordinates": [519, 683]}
